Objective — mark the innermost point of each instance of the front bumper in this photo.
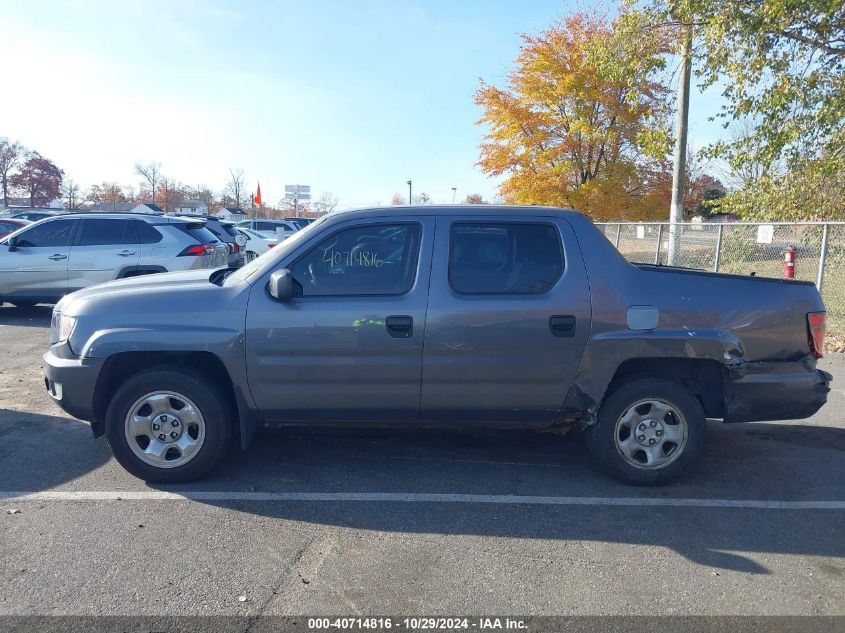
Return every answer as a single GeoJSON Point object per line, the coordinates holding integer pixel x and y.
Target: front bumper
{"type": "Point", "coordinates": [768, 391]}
{"type": "Point", "coordinates": [70, 382]}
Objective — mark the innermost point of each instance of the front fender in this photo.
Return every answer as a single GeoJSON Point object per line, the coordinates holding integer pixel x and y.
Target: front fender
{"type": "Point", "coordinates": [175, 338]}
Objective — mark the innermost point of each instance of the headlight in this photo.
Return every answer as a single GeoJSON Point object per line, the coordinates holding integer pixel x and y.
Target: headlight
{"type": "Point", "coordinates": [66, 325]}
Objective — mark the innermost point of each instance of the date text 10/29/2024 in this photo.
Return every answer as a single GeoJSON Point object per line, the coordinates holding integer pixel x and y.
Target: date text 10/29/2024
{"type": "Point", "coordinates": [417, 623]}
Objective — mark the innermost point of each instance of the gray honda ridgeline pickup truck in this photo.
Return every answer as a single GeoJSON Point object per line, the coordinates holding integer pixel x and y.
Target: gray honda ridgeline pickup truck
{"type": "Point", "coordinates": [492, 316]}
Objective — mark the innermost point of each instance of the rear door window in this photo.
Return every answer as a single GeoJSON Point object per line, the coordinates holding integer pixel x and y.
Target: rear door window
{"type": "Point", "coordinates": [504, 258]}
{"type": "Point", "coordinates": [106, 231]}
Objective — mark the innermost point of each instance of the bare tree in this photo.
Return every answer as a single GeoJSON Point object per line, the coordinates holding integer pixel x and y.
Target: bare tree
{"type": "Point", "coordinates": [170, 193]}
{"type": "Point", "coordinates": [202, 193]}
{"type": "Point", "coordinates": [151, 173]}
{"type": "Point", "coordinates": [112, 193]}
{"type": "Point", "coordinates": [236, 185]}
{"type": "Point", "coordinates": [71, 193]}
{"type": "Point", "coordinates": [106, 193]}
{"type": "Point", "coordinates": [326, 204]}
{"type": "Point", "coordinates": [10, 157]}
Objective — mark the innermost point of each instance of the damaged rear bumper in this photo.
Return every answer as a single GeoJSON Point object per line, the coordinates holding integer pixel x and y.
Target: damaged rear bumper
{"type": "Point", "coordinates": [767, 391]}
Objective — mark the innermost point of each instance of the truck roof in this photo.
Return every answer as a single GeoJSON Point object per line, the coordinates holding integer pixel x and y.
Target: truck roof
{"type": "Point", "coordinates": [462, 209]}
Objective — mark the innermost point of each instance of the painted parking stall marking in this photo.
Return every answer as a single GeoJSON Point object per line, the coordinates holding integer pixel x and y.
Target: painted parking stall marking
{"type": "Point", "coordinates": [400, 497]}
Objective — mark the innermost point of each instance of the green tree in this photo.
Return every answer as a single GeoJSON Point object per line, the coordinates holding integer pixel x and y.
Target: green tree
{"type": "Point", "coordinates": [782, 67]}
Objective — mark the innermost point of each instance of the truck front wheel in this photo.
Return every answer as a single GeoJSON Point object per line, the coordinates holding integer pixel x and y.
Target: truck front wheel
{"type": "Point", "coordinates": [648, 431]}
{"type": "Point", "coordinates": [168, 426]}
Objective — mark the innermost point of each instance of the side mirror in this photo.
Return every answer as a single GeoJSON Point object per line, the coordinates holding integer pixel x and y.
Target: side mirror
{"type": "Point", "coordinates": [240, 239]}
{"type": "Point", "coordinates": [280, 286]}
{"type": "Point", "coordinates": [13, 243]}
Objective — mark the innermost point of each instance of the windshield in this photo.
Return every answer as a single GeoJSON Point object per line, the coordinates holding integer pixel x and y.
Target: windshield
{"type": "Point", "coordinates": [259, 266]}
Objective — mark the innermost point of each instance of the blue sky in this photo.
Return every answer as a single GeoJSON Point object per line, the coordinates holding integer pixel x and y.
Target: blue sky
{"type": "Point", "coordinates": [349, 97]}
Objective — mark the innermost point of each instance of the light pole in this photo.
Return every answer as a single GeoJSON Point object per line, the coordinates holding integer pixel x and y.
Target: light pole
{"type": "Point", "coordinates": [410, 197]}
{"type": "Point", "coordinates": [454, 191]}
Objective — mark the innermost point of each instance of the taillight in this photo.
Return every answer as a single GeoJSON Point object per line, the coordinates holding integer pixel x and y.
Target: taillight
{"type": "Point", "coordinates": [197, 250]}
{"type": "Point", "coordinates": [271, 244]}
{"type": "Point", "coordinates": [816, 325]}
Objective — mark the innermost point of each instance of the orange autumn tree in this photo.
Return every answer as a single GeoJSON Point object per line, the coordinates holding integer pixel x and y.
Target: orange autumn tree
{"type": "Point", "coordinates": [582, 123]}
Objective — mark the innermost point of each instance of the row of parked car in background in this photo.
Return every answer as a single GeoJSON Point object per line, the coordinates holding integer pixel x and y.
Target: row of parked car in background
{"type": "Point", "coordinates": [46, 255]}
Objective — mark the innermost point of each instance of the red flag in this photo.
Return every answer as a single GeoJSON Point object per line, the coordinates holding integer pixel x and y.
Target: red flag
{"type": "Point", "coordinates": [257, 197]}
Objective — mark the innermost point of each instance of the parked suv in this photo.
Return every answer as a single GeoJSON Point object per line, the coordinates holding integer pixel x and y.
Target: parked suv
{"type": "Point", "coordinates": [50, 258]}
{"type": "Point", "coordinates": [520, 317]}
{"type": "Point", "coordinates": [226, 233]}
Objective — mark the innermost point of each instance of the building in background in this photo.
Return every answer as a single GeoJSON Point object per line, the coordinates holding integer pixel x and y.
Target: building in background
{"type": "Point", "coordinates": [232, 214]}
{"type": "Point", "coordinates": [191, 207]}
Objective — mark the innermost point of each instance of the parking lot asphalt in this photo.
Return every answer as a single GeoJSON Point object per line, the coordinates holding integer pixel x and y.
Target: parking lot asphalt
{"type": "Point", "coordinates": [413, 521]}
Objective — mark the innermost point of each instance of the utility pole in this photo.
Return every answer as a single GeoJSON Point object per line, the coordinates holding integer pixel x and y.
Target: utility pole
{"type": "Point", "coordinates": [410, 197]}
{"type": "Point", "coordinates": [454, 191]}
{"type": "Point", "coordinates": [676, 211]}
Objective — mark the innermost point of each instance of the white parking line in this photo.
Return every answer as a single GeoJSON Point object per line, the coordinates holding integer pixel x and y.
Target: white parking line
{"type": "Point", "coordinates": [413, 497]}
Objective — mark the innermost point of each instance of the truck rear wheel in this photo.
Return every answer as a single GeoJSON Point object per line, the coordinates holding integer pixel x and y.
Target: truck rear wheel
{"type": "Point", "coordinates": [168, 426]}
{"type": "Point", "coordinates": [648, 431]}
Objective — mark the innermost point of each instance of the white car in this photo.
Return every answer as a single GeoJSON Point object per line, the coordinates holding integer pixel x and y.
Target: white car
{"type": "Point", "coordinates": [269, 228]}
{"type": "Point", "coordinates": [256, 243]}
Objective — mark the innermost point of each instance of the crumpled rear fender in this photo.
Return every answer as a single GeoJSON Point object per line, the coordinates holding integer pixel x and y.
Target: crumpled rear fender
{"type": "Point", "coordinates": [607, 351]}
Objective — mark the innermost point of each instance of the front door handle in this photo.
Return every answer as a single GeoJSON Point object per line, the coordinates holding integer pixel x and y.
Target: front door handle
{"type": "Point", "coordinates": [562, 325]}
{"type": "Point", "coordinates": [400, 326]}
{"type": "Point", "coordinates": [57, 256]}
{"type": "Point", "coordinates": [126, 253]}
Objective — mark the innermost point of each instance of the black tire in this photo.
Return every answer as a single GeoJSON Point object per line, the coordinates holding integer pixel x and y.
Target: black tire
{"type": "Point", "coordinates": [603, 445]}
{"type": "Point", "coordinates": [217, 412]}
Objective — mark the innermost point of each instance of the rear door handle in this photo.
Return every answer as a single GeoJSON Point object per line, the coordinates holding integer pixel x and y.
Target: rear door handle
{"type": "Point", "coordinates": [400, 326]}
{"type": "Point", "coordinates": [57, 256]}
{"type": "Point", "coordinates": [126, 253]}
{"type": "Point", "coordinates": [562, 325]}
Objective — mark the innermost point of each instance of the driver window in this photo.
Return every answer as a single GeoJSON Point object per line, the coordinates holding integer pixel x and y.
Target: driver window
{"type": "Point", "coordinates": [366, 260]}
{"type": "Point", "coordinates": [52, 233]}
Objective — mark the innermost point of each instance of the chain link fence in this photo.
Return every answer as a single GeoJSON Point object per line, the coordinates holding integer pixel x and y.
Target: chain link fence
{"type": "Point", "coordinates": [745, 248]}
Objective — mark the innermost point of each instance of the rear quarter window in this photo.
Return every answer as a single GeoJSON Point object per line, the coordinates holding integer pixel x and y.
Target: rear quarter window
{"type": "Point", "coordinates": [147, 234]}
